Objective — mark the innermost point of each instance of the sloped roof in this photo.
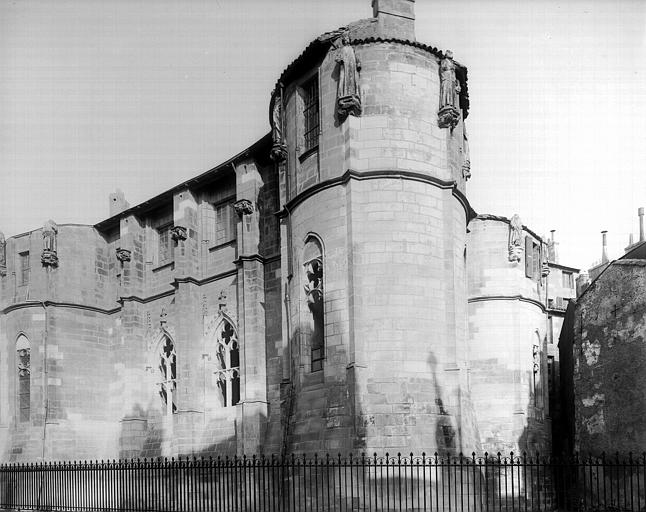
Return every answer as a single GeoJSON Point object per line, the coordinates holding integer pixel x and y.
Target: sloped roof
{"type": "Point", "coordinates": [363, 32]}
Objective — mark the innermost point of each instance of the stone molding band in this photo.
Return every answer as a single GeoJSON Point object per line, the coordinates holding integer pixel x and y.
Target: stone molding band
{"type": "Point", "coordinates": [378, 174]}
{"type": "Point", "coordinates": [70, 305]}
{"type": "Point", "coordinates": [486, 298]}
{"type": "Point", "coordinates": [124, 298]}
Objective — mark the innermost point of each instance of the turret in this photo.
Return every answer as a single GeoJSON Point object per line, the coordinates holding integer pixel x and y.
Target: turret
{"type": "Point", "coordinates": [370, 144]}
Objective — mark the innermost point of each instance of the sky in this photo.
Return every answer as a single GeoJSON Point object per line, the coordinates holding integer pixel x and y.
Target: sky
{"type": "Point", "coordinates": [142, 95]}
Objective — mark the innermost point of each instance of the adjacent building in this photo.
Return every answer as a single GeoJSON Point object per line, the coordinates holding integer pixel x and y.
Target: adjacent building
{"type": "Point", "coordinates": [603, 339]}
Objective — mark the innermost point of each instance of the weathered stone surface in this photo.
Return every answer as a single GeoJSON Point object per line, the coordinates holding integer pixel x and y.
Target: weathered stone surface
{"type": "Point", "coordinates": [609, 352]}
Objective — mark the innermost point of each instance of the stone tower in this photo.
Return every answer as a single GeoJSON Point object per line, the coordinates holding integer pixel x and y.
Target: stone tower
{"type": "Point", "coordinates": [369, 142]}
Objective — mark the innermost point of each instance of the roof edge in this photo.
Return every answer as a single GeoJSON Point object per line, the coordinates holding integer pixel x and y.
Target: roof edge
{"type": "Point", "coordinates": [148, 204]}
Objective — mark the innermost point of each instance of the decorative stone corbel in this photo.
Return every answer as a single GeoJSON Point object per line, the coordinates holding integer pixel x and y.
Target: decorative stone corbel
{"type": "Point", "coordinates": [124, 254]}
{"type": "Point", "coordinates": [243, 207]}
{"type": "Point", "coordinates": [178, 233]}
{"type": "Point", "coordinates": [448, 117]}
{"type": "Point", "coordinates": [278, 152]}
{"type": "Point", "coordinates": [49, 258]}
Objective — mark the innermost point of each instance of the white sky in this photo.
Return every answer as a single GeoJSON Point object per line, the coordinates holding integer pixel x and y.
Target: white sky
{"type": "Point", "coordinates": [143, 94]}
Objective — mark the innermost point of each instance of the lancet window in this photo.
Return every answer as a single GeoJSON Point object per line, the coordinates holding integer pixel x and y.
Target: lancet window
{"type": "Point", "coordinates": [228, 357]}
{"type": "Point", "coordinates": [313, 268]}
{"type": "Point", "coordinates": [23, 351]}
{"type": "Point", "coordinates": [168, 375]}
{"type": "Point", "coordinates": [311, 112]}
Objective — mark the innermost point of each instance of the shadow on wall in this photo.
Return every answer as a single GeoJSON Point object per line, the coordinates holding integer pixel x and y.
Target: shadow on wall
{"type": "Point", "coordinates": [446, 431]}
{"type": "Point", "coordinates": [320, 410]}
{"type": "Point", "coordinates": [146, 433]}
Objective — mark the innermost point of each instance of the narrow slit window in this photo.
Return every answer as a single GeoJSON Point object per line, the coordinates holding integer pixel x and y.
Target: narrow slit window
{"type": "Point", "coordinates": [165, 254]}
{"type": "Point", "coordinates": [311, 112]}
{"type": "Point", "coordinates": [24, 268]}
{"type": "Point", "coordinates": [225, 222]}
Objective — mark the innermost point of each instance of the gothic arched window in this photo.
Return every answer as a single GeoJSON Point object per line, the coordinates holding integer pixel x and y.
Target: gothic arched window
{"type": "Point", "coordinates": [168, 374]}
{"type": "Point", "coordinates": [228, 356]}
{"type": "Point", "coordinates": [23, 351]}
{"type": "Point", "coordinates": [313, 268]}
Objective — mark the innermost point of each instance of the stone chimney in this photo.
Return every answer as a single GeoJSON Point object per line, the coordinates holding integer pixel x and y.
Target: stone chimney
{"type": "Point", "coordinates": [118, 203]}
{"type": "Point", "coordinates": [395, 18]}
{"type": "Point", "coordinates": [640, 212]}
{"type": "Point", "coordinates": [604, 247]}
{"type": "Point", "coordinates": [552, 252]}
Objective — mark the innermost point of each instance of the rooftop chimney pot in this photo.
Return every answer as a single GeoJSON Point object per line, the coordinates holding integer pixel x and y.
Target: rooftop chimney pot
{"type": "Point", "coordinates": [395, 18]}
{"type": "Point", "coordinates": [604, 247]}
{"type": "Point", "coordinates": [640, 212]}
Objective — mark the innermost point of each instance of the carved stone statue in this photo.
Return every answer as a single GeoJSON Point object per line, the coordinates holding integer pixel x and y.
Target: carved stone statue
{"type": "Point", "coordinates": [448, 115]}
{"type": "Point", "coordinates": [545, 267]}
{"type": "Point", "coordinates": [279, 148]}
{"type": "Point", "coordinates": [3, 255]}
{"type": "Point", "coordinates": [466, 161]}
{"type": "Point", "coordinates": [49, 256]}
{"type": "Point", "coordinates": [50, 230]}
{"type": "Point", "coordinates": [515, 239]}
{"type": "Point", "coordinates": [348, 96]}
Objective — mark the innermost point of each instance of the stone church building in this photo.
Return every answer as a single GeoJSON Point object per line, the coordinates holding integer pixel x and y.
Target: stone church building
{"type": "Point", "coordinates": [329, 289]}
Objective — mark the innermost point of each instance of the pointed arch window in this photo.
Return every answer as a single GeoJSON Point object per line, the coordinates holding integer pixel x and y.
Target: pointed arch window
{"type": "Point", "coordinates": [313, 268]}
{"type": "Point", "coordinates": [168, 374]}
{"type": "Point", "coordinates": [228, 356]}
{"type": "Point", "coordinates": [23, 353]}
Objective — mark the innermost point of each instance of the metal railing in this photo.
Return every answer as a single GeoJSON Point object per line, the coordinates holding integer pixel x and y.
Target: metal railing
{"type": "Point", "coordinates": [352, 483]}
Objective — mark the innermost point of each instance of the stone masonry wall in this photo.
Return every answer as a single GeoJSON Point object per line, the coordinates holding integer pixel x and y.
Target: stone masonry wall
{"type": "Point", "coordinates": [609, 359]}
{"type": "Point", "coordinates": [394, 375]}
{"type": "Point", "coordinates": [65, 311]}
{"type": "Point", "coordinates": [95, 324]}
{"type": "Point", "coordinates": [507, 338]}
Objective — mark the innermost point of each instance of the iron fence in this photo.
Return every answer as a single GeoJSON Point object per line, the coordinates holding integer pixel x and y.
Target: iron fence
{"type": "Point", "coordinates": [351, 483]}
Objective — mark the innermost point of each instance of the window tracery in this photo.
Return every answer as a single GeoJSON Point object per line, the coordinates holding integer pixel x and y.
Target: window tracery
{"type": "Point", "coordinates": [313, 268]}
{"type": "Point", "coordinates": [23, 363]}
{"type": "Point", "coordinates": [168, 373]}
{"type": "Point", "coordinates": [228, 358]}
